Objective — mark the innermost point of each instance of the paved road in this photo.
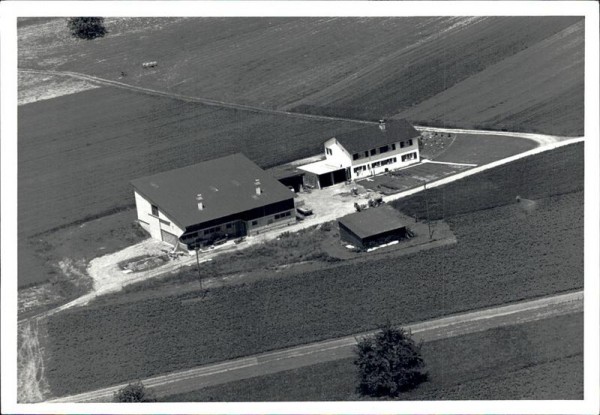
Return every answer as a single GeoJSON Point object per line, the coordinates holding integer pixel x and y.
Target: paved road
{"type": "Point", "coordinates": [340, 348]}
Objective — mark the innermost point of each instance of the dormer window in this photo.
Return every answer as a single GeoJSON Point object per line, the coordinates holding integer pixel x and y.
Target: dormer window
{"type": "Point", "coordinates": [154, 210]}
{"type": "Point", "coordinates": [355, 156]}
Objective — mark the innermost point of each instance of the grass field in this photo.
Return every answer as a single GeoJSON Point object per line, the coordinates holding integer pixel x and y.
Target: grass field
{"type": "Point", "coordinates": [356, 67]}
{"type": "Point", "coordinates": [533, 177]}
{"type": "Point", "coordinates": [502, 255]}
{"type": "Point", "coordinates": [538, 360]}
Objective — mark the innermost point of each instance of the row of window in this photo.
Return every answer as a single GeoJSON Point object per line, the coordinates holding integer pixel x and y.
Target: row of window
{"type": "Point", "coordinates": [276, 217]}
{"type": "Point", "coordinates": [391, 160]}
{"type": "Point", "coordinates": [283, 215]}
{"type": "Point", "coordinates": [384, 162]}
{"type": "Point", "coordinates": [328, 151]}
{"type": "Point", "coordinates": [382, 149]}
{"type": "Point", "coordinates": [217, 229]}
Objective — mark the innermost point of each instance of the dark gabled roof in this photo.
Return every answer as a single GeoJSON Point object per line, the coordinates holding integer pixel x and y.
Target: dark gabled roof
{"type": "Point", "coordinates": [226, 184]}
{"type": "Point", "coordinates": [284, 171]}
{"type": "Point", "coordinates": [373, 136]}
{"type": "Point", "coordinates": [373, 221]}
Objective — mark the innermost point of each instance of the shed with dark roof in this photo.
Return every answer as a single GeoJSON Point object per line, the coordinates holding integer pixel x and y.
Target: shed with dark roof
{"type": "Point", "coordinates": [372, 227]}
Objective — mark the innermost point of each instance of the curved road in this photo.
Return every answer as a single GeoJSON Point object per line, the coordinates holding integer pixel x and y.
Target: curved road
{"type": "Point", "coordinates": [341, 348]}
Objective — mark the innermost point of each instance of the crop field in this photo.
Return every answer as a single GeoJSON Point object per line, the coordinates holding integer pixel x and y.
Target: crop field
{"type": "Point", "coordinates": [502, 255]}
{"type": "Point", "coordinates": [537, 360]}
{"type": "Point", "coordinates": [531, 178]}
{"type": "Point", "coordinates": [353, 67]}
{"type": "Point", "coordinates": [506, 95]}
{"type": "Point", "coordinates": [434, 67]}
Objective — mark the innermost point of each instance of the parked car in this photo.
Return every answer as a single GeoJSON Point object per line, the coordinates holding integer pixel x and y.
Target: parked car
{"type": "Point", "coordinates": [305, 211]}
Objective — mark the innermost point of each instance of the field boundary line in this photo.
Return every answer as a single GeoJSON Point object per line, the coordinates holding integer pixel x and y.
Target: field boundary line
{"type": "Point", "coordinates": [449, 163]}
{"type": "Point", "coordinates": [572, 302]}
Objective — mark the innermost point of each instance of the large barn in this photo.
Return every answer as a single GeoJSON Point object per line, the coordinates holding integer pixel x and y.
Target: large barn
{"type": "Point", "coordinates": [372, 227]}
{"type": "Point", "coordinates": [221, 198]}
{"type": "Point", "coordinates": [367, 151]}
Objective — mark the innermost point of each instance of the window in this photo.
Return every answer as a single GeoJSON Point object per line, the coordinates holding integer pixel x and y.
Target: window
{"type": "Point", "coordinates": [165, 222]}
{"type": "Point", "coordinates": [329, 151]}
{"type": "Point", "coordinates": [394, 146]}
{"type": "Point", "coordinates": [410, 142]}
{"type": "Point", "coordinates": [401, 144]}
{"type": "Point", "coordinates": [366, 154]}
{"type": "Point", "coordinates": [355, 156]}
{"type": "Point", "coordinates": [376, 164]}
{"type": "Point", "coordinates": [229, 225]}
{"type": "Point", "coordinates": [154, 210]}
{"type": "Point", "coordinates": [383, 149]}
{"type": "Point", "coordinates": [409, 156]}
{"type": "Point", "coordinates": [374, 151]}
{"type": "Point", "coordinates": [357, 170]}
{"type": "Point", "coordinates": [254, 222]}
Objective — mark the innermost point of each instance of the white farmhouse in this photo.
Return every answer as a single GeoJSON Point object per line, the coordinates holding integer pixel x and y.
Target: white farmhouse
{"type": "Point", "coordinates": [365, 152]}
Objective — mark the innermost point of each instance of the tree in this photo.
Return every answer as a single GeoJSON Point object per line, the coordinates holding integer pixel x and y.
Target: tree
{"type": "Point", "coordinates": [86, 27]}
{"type": "Point", "coordinates": [389, 363]}
{"type": "Point", "coordinates": [134, 392]}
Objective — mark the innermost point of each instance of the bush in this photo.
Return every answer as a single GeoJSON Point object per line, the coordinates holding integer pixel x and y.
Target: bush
{"type": "Point", "coordinates": [86, 27]}
{"type": "Point", "coordinates": [134, 392]}
{"type": "Point", "coordinates": [389, 363]}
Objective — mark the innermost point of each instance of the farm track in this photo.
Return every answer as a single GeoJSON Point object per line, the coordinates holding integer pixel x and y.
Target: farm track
{"type": "Point", "coordinates": [341, 348]}
{"type": "Point", "coordinates": [187, 98]}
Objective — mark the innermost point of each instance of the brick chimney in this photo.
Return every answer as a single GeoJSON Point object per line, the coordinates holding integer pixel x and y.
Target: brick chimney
{"type": "Point", "coordinates": [199, 200]}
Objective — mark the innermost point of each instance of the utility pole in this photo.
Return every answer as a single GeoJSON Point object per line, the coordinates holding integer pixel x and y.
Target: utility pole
{"type": "Point", "coordinates": [428, 221]}
{"type": "Point", "coordinates": [198, 267]}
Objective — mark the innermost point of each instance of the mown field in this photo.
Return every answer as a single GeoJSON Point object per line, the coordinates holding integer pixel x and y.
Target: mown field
{"type": "Point", "coordinates": [502, 255]}
{"type": "Point", "coordinates": [353, 67]}
{"type": "Point", "coordinates": [537, 360]}
{"type": "Point", "coordinates": [531, 178]}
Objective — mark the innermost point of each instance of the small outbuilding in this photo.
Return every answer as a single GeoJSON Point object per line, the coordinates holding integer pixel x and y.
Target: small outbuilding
{"type": "Point", "coordinates": [371, 227]}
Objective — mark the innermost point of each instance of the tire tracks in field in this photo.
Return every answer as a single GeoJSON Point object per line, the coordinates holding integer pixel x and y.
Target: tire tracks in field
{"type": "Point", "coordinates": [341, 348]}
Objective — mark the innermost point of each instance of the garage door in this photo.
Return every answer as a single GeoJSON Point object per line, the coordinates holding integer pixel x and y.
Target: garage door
{"type": "Point", "coordinates": [169, 237]}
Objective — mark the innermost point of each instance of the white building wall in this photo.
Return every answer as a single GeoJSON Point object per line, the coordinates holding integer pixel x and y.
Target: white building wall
{"type": "Point", "coordinates": [337, 154]}
{"type": "Point", "coordinates": [151, 223]}
{"type": "Point", "coordinates": [366, 163]}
